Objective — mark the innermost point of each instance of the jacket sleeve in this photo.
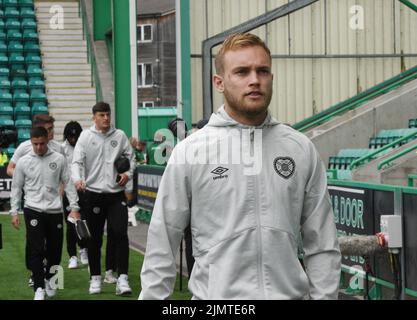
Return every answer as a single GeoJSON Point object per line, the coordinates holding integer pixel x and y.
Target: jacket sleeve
{"type": "Point", "coordinates": [17, 185]}
{"type": "Point", "coordinates": [70, 191]}
{"type": "Point", "coordinates": [322, 256]}
{"type": "Point", "coordinates": [78, 160]}
{"type": "Point", "coordinates": [128, 153]}
{"type": "Point", "coordinates": [170, 216]}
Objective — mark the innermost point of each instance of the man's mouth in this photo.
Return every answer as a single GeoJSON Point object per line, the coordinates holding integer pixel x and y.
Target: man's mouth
{"type": "Point", "coordinates": [254, 94]}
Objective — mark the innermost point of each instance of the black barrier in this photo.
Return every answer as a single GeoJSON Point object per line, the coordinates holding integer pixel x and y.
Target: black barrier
{"type": "Point", "coordinates": [148, 180]}
{"type": "Point", "coordinates": [5, 184]}
{"type": "Point", "coordinates": [410, 239]}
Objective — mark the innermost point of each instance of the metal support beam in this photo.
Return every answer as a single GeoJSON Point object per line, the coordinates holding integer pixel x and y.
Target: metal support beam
{"type": "Point", "coordinates": [254, 23]}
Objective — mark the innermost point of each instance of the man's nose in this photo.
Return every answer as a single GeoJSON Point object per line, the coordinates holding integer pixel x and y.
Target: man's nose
{"type": "Point", "coordinates": [253, 77]}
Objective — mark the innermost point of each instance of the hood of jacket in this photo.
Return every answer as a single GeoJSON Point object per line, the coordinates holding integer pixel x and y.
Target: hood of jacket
{"type": "Point", "coordinates": [222, 119]}
{"type": "Point", "coordinates": [111, 130]}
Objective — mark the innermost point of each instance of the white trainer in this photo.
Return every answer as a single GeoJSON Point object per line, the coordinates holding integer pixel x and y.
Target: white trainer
{"type": "Point", "coordinates": [122, 286]}
{"type": "Point", "coordinates": [84, 256]}
{"type": "Point", "coordinates": [95, 285]}
{"type": "Point", "coordinates": [109, 277]}
{"type": "Point", "coordinates": [73, 263]}
{"type": "Point", "coordinates": [48, 289]}
{"type": "Point", "coordinates": [39, 294]}
{"type": "Point", "coordinates": [31, 283]}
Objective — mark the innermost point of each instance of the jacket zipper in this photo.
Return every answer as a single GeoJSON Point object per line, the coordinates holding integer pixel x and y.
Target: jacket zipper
{"type": "Point", "coordinates": [258, 221]}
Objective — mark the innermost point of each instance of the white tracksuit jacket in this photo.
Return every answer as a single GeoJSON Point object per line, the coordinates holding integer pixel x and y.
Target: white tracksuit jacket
{"type": "Point", "coordinates": [41, 177]}
{"type": "Point", "coordinates": [94, 156]}
{"type": "Point", "coordinates": [244, 226]}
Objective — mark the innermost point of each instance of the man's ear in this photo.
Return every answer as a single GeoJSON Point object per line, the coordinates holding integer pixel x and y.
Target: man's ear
{"type": "Point", "coordinates": [218, 83]}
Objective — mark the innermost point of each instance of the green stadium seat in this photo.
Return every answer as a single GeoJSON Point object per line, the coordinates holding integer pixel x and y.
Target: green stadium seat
{"type": "Point", "coordinates": [1, 14]}
{"type": "Point", "coordinates": [2, 25]}
{"type": "Point", "coordinates": [28, 24]}
{"type": "Point", "coordinates": [6, 112]}
{"type": "Point", "coordinates": [22, 112]}
{"type": "Point", "coordinates": [4, 60]}
{"type": "Point", "coordinates": [30, 35]}
{"type": "Point", "coordinates": [10, 3]}
{"type": "Point", "coordinates": [22, 135]}
{"type": "Point", "coordinates": [33, 60]}
{"type": "Point", "coordinates": [39, 109]}
{"type": "Point", "coordinates": [5, 98]}
{"type": "Point", "coordinates": [37, 98]}
{"type": "Point", "coordinates": [13, 35]}
{"type": "Point", "coordinates": [27, 13]}
{"type": "Point", "coordinates": [20, 98]}
{"type": "Point", "coordinates": [19, 84]}
{"type": "Point", "coordinates": [23, 124]}
{"type": "Point", "coordinates": [3, 36]}
{"type": "Point", "coordinates": [31, 47]}
{"type": "Point", "coordinates": [4, 72]}
{"type": "Point", "coordinates": [26, 4]}
{"type": "Point", "coordinates": [34, 72]}
{"type": "Point", "coordinates": [12, 24]}
{"type": "Point", "coordinates": [4, 85]}
{"type": "Point", "coordinates": [6, 122]}
{"type": "Point", "coordinates": [3, 47]}
{"type": "Point", "coordinates": [9, 151]}
{"type": "Point", "coordinates": [11, 12]}
{"type": "Point", "coordinates": [36, 84]}
{"type": "Point", "coordinates": [412, 123]}
{"type": "Point", "coordinates": [15, 47]}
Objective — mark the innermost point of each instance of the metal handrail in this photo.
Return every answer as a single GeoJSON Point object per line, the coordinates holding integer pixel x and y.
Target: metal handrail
{"type": "Point", "coordinates": [353, 102]}
{"type": "Point", "coordinates": [359, 161]}
{"type": "Point", "coordinates": [95, 81]}
{"type": "Point", "coordinates": [357, 101]}
{"type": "Point", "coordinates": [395, 156]}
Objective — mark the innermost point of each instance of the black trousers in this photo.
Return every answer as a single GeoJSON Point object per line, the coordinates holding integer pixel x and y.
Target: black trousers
{"type": "Point", "coordinates": [112, 207]}
{"type": "Point", "coordinates": [44, 237]}
{"type": "Point", "coordinates": [189, 249]}
{"type": "Point", "coordinates": [111, 263]}
{"type": "Point", "coordinates": [72, 238]}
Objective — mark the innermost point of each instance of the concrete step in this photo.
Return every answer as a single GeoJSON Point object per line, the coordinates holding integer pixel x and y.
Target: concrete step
{"type": "Point", "coordinates": [63, 32]}
{"type": "Point", "coordinates": [61, 98]}
{"type": "Point", "coordinates": [71, 91]}
{"type": "Point", "coordinates": [72, 55]}
{"type": "Point", "coordinates": [48, 60]}
{"type": "Point", "coordinates": [58, 66]}
{"type": "Point", "coordinates": [45, 26]}
{"type": "Point", "coordinates": [70, 104]}
{"type": "Point", "coordinates": [60, 37]}
{"type": "Point", "coordinates": [58, 79]}
{"type": "Point", "coordinates": [77, 48]}
{"type": "Point", "coordinates": [67, 73]}
{"type": "Point", "coordinates": [85, 123]}
{"type": "Point", "coordinates": [62, 43]}
{"type": "Point", "coordinates": [47, 7]}
{"type": "Point", "coordinates": [80, 113]}
{"type": "Point", "coordinates": [68, 85]}
{"type": "Point", "coordinates": [40, 15]}
{"type": "Point", "coordinates": [45, 20]}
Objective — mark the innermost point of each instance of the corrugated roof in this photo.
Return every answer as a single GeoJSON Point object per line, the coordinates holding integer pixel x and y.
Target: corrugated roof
{"type": "Point", "coordinates": [155, 7]}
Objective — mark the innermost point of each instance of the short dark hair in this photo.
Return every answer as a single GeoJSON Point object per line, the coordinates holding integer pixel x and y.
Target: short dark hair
{"type": "Point", "coordinates": [41, 119]}
{"type": "Point", "coordinates": [101, 107]}
{"type": "Point", "coordinates": [72, 130]}
{"type": "Point", "coordinates": [38, 132]}
{"type": "Point", "coordinates": [173, 126]}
